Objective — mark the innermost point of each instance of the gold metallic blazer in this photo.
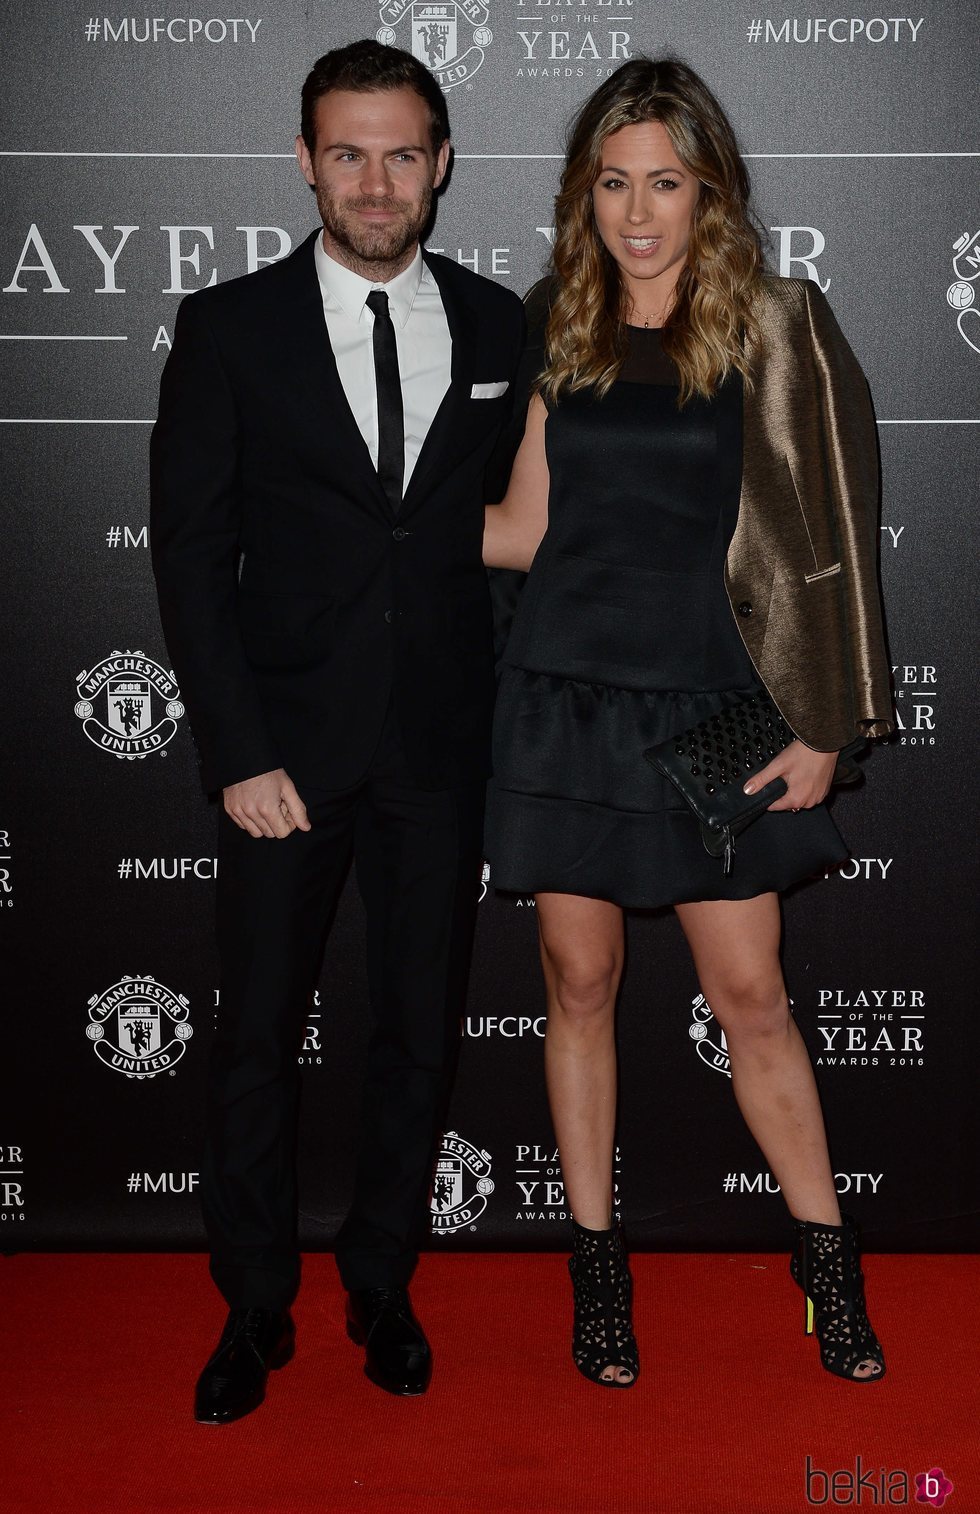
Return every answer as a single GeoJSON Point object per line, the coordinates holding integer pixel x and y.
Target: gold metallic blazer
{"type": "Point", "coordinates": [801, 571]}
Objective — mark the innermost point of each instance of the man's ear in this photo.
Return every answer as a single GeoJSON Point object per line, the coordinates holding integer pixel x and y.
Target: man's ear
{"type": "Point", "coordinates": [305, 162]}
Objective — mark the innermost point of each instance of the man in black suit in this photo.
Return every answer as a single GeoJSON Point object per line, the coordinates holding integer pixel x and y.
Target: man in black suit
{"type": "Point", "coordinates": [317, 518]}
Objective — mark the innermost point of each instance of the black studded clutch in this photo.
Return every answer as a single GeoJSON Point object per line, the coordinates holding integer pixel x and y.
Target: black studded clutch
{"type": "Point", "coordinates": [709, 763]}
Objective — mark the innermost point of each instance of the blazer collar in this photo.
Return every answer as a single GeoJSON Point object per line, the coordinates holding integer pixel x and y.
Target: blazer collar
{"type": "Point", "coordinates": [447, 438]}
{"type": "Point", "coordinates": [311, 364]}
{"type": "Point", "coordinates": [308, 353]}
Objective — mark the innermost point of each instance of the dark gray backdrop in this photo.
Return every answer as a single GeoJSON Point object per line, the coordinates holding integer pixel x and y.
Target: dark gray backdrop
{"type": "Point", "coordinates": [861, 143]}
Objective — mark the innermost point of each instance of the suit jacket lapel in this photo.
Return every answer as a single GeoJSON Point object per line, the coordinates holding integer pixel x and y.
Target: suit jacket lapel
{"type": "Point", "coordinates": [310, 358]}
{"type": "Point", "coordinates": [447, 436]}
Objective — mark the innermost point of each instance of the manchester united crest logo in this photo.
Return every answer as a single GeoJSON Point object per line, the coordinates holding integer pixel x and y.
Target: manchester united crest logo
{"type": "Point", "coordinates": [450, 38]}
{"type": "Point", "coordinates": [962, 293]}
{"type": "Point", "coordinates": [138, 1027]}
{"type": "Point", "coordinates": [712, 1048]}
{"type": "Point", "coordinates": [128, 705]}
{"type": "Point", "coordinates": [462, 1185]}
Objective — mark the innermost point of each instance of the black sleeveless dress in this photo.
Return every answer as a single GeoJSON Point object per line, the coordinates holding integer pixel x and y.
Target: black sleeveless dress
{"type": "Point", "coordinates": [624, 636]}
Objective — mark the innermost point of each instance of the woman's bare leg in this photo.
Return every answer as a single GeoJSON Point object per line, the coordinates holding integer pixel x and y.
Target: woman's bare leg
{"type": "Point", "coordinates": [582, 959]}
{"type": "Point", "coordinates": [735, 946]}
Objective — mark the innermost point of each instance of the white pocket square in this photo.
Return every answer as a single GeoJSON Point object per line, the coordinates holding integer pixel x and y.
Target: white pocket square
{"type": "Point", "coordinates": [489, 391]}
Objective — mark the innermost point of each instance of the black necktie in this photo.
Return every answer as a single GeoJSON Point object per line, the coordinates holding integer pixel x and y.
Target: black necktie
{"type": "Point", "coordinates": [391, 418]}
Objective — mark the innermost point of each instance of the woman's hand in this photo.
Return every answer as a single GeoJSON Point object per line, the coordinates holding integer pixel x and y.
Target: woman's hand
{"type": "Point", "coordinates": [806, 773]}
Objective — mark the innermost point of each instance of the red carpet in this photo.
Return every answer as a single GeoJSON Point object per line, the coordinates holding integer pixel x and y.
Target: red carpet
{"type": "Point", "coordinates": [100, 1355]}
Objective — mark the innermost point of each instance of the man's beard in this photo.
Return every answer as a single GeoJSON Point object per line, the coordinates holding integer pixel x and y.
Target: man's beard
{"type": "Point", "coordinates": [372, 246]}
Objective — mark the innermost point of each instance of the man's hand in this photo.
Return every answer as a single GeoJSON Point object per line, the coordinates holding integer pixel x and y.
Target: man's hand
{"type": "Point", "coordinates": [266, 806]}
{"type": "Point", "coordinates": [806, 773]}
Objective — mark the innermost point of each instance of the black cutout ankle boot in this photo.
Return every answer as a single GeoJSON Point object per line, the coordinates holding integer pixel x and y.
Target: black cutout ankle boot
{"type": "Point", "coordinates": [602, 1333]}
{"type": "Point", "coordinates": [827, 1266]}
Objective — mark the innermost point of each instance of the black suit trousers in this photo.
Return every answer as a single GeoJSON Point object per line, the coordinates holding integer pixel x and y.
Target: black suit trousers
{"type": "Point", "coordinates": [417, 854]}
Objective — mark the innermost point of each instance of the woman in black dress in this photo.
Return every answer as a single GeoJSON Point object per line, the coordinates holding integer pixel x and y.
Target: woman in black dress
{"type": "Point", "coordinates": [695, 497]}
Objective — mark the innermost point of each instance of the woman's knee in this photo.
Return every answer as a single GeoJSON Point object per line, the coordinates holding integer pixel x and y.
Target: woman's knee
{"type": "Point", "coordinates": [583, 988]}
{"type": "Point", "coordinates": [751, 1008]}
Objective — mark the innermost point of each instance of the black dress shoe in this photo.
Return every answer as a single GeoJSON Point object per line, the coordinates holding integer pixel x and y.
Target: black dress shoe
{"type": "Point", "coordinates": [398, 1357]}
{"type": "Point", "coordinates": [253, 1342]}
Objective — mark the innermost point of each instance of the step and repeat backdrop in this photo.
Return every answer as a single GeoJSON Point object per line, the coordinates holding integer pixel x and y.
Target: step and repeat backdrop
{"type": "Point", "coordinates": [149, 154]}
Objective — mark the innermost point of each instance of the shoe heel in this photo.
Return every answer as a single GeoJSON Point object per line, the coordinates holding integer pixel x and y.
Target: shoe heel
{"type": "Point", "coordinates": [283, 1354]}
{"type": "Point", "coordinates": [804, 1281]}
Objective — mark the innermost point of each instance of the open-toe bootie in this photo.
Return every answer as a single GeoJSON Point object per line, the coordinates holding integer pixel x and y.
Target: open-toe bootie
{"type": "Point", "coordinates": [602, 1334]}
{"type": "Point", "coordinates": [827, 1266]}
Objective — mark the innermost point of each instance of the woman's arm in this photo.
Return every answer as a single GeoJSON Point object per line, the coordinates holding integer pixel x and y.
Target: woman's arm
{"type": "Point", "coordinates": [514, 528]}
{"type": "Point", "coordinates": [851, 452]}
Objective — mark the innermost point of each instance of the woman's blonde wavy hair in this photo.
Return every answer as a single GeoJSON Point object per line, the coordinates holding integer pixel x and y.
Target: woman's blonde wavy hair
{"type": "Point", "coordinates": [585, 340]}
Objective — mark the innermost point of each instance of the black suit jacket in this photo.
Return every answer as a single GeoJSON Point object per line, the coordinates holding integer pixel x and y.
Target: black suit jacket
{"type": "Point", "coordinates": [294, 602]}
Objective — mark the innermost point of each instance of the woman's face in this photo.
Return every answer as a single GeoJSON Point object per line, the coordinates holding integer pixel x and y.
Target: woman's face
{"type": "Point", "coordinates": [644, 201]}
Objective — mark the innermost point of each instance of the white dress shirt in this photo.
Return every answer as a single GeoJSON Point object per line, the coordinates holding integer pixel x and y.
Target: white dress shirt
{"type": "Point", "coordinates": [422, 340]}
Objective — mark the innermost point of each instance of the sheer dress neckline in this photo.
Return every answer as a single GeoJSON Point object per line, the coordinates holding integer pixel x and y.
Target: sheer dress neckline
{"type": "Point", "coordinates": [645, 361]}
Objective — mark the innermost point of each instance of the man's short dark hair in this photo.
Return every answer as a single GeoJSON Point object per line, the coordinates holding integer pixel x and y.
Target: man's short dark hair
{"type": "Point", "coordinates": [367, 66]}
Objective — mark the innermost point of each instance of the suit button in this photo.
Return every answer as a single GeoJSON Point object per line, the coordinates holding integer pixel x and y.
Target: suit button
{"type": "Point", "coordinates": [399, 533]}
{"type": "Point", "coordinates": [389, 616]}
{"type": "Point", "coordinates": [745, 608]}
